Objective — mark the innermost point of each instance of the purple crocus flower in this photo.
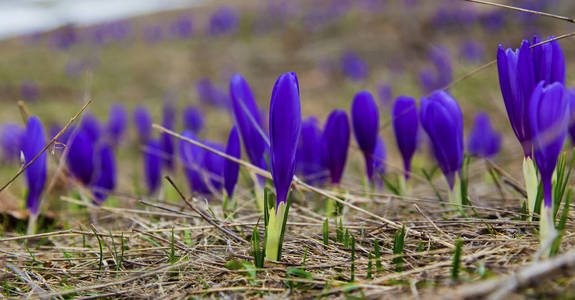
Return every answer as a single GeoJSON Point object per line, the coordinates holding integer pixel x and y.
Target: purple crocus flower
{"type": "Point", "coordinates": [213, 166]}
{"type": "Point", "coordinates": [571, 96]}
{"type": "Point", "coordinates": [34, 141]}
{"type": "Point", "coordinates": [117, 123]}
{"type": "Point", "coordinates": [192, 160]}
{"type": "Point", "coordinates": [365, 119]}
{"type": "Point", "coordinates": [385, 94]}
{"type": "Point", "coordinates": [224, 20]}
{"type": "Point", "coordinates": [143, 123]}
{"type": "Point", "coordinates": [248, 121]}
{"type": "Point", "coordinates": [442, 120]}
{"type": "Point", "coordinates": [309, 154]}
{"type": "Point", "coordinates": [91, 126]}
{"type": "Point", "coordinates": [335, 142]}
{"type": "Point", "coordinates": [285, 128]}
{"type": "Point", "coordinates": [484, 141]}
{"type": "Point", "coordinates": [519, 73]}
{"type": "Point", "coordinates": [549, 121]}
{"type": "Point", "coordinates": [406, 129]}
{"type": "Point", "coordinates": [379, 158]}
{"type": "Point", "coordinates": [440, 77]}
{"type": "Point", "coordinates": [166, 140]}
{"type": "Point", "coordinates": [353, 66]}
{"type": "Point", "coordinates": [231, 169]}
{"type": "Point", "coordinates": [105, 181]}
{"type": "Point", "coordinates": [193, 119]}
{"type": "Point", "coordinates": [183, 27]}
{"type": "Point", "coordinates": [80, 157]}
{"type": "Point", "coordinates": [153, 165]}
{"type": "Point", "coordinates": [210, 94]}
{"type": "Point", "coordinates": [472, 51]}
{"type": "Point", "coordinates": [11, 139]}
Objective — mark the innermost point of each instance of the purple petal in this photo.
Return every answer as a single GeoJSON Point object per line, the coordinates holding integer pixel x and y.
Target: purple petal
{"type": "Point", "coordinates": [406, 129]}
{"type": "Point", "coordinates": [231, 169]}
{"type": "Point", "coordinates": [335, 142]}
{"type": "Point", "coordinates": [365, 119]}
{"type": "Point", "coordinates": [34, 141]}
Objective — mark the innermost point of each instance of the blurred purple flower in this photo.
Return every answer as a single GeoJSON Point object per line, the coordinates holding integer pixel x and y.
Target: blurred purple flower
{"type": "Point", "coordinates": [12, 137]}
{"type": "Point", "coordinates": [406, 129]}
{"type": "Point", "coordinates": [143, 123]}
{"type": "Point", "coordinates": [309, 154]}
{"type": "Point", "coordinates": [192, 160]}
{"type": "Point", "coordinates": [231, 169]}
{"type": "Point", "coordinates": [65, 37]}
{"type": "Point", "coordinates": [353, 66]}
{"type": "Point", "coordinates": [224, 20]}
{"type": "Point", "coordinates": [385, 94]}
{"type": "Point", "coordinates": [494, 20]}
{"type": "Point", "coordinates": [117, 123]}
{"type": "Point", "coordinates": [166, 140]}
{"type": "Point", "coordinates": [442, 120]}
{"type": "Point", "coordinates": [29, 90]}
{"type": "Point", "coordinates": [379, 158]}
{"type": "Point", "coordinates": [34, 141]}
{"type": "Point", "coordinates": [80, 157]}
{"type": "Point", "coordinates": [182, 28]}
{"type": "Point", "coordinates": [153, 33]}
{"type": "Point", "coordinates": [248, 120]}
{"type": "Point", "coordinates": [570, 94]}
{"type": "Point", "coordinates": [105, 164]}
{"type": "Point", "coordinates": [213, 167]}
{"type": "Point", "coordinates": [209, 94]}
{"type": "Point", "coordinates": [472, 51]}
{"type": "Point", "coordinates": [549, 120]}
{"type": "Point", "coordinates": [92, 127]}
{"type": "Point", "coordinates": [285, 128]}
{"type": "Point", "coordinates": [193, 119]}
{"type": "Point", "coordinates": [430, 80]}
{"type": "Point", "coordinates": [335, 143]}
{"type": "Point", "coordinates": [365, 120]}
{"type": "Point", "coordinates": [153, 165]}
{"type": "Point", "coordinates": [483, 141]}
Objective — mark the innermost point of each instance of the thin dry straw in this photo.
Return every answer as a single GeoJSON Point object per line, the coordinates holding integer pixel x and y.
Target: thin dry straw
{"type": "Point", "coordinates": [45, 147]}
{"type": "Point", "coordinates": [301, 184]}
{"type": "Point", "coordinates": [524, 10]}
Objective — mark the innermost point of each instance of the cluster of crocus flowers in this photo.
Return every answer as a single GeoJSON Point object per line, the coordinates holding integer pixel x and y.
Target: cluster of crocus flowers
{"type": "Point", "coordinates": [285, 128]}
{"type": "Point", "coordinates": [519, 73]}
{"type": "Point", "coordinates": [442, 120]}
{"type": "Point", "coordinates": [406, 129]}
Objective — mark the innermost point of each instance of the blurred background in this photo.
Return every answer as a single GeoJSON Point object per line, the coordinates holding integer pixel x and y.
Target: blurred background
{"type": "Point", "coordinates": [55, 55]}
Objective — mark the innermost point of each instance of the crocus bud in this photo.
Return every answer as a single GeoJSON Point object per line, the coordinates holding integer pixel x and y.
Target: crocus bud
{"type": "Point", "coordinates": [192, 160]}
{"type": "Point", "coordinates": [549, 120]}
{"type": "Point", "coordinates": [406, 129]}
{"type": "Point", "coordinates": [80, 157]}
{"type": "Point", "coordinates": [519, 73]}
{"type": "Point", "coordinates": [484, 141]}
{"type": "Point", "coordinates": [353, 66]}
{"type": "Point", "coordinates": [105, 164]}
{"type": "Point", "coordinates": [91, 126]}
{"type": "Point", "coordinates": [365, 118]}
{"type": "Point", "coordinates": [442, 120]}
{"type": "Point", "coordinates": [193, 119]}
{"type": "Point", "coordinates": [231, 169]}
{"type": "Point", "coordinates": [143, 123]}
{"type": "Point", "coordinates": [335, 142]}
{"type": "Point", "coordinates": [153, 165]}
{"type": "Point", "coordinates": [11, 139]}
{"type": "Point", "coordinates": [248, 121]}
{"type": "Point", "coordinates": [285, 128]}
{"type": "Point", "coordinates": [117, 122]}
{"type": "Point", "coordinates": [166, 140]}
{"type": "Point", "coordinates": [309, 153]}
{"type": "Point", "coordinates": [34, 141]}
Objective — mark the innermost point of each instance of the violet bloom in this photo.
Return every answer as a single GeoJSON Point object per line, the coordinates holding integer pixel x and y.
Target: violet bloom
{"type": "Point", "coordinates": [549, 120]}
{"type": "Point", "coordinates": [231, 169]}
{"type": "Point", "coordinates": [34, 141]}
{"type": "Point", "coordinates": [143, 123]}
{"type": "Point", "coordinates": [472, 51]}
{"type": "Point", "coordinates": [29, 90]}
{"type": "Point", "coordinates": [442, 74]}
{"type": "Point", "coordinates": [309, 154]}
{"type": "Point", "coordinates": [183, 27]}
{"type": "Point", "coordinates": [379, 158]}
{"type": "Point", "coordinates": [213, 166]}
{"type": "Point", "coordinates": [193, 119]}
{"type": "Point", "coordinates": [353, 66]}
{"type": "Point", "coordinates": [285, 128]}
{"type": "Point", "coordinates": [570, 94]}
{"type": "Point", "coordinates": [385, 94]}
{"type": "Point", "coordinates": [442, 120]}
{"type": "Point", "coordinates": [224, 20]}
{"type": "Point", "coordinates": [335, 142]}
{"type": "Point", "coordinates": [153, 165]}
{"type": "Point", "coordinates": [483, 141]}
{"type": "Point", "coordinates": [248, 121]}
{"type": "Point", "coordinates": [11, 138]}
{"type": "Point", "coordinates": [519, 73]}
{"type": "Point", "coordinates": [210, 94]}
{"type": "Point", "coordinates": [105, 181]}
{"type": "Point", "coordinates": [365, 119]}
{"type": "Point", "coordinates": [91, 126]}
{"type": "Point", "coordinates": [166, 140]}
{"type": "Point", "coordinates": [117, 122]}
{"type": "Point", "coordinates": [80, 157]}
{"type": "Point", "coordinates": [406, 129]}
{"type": "Point", "coordinates": [192, 159]}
